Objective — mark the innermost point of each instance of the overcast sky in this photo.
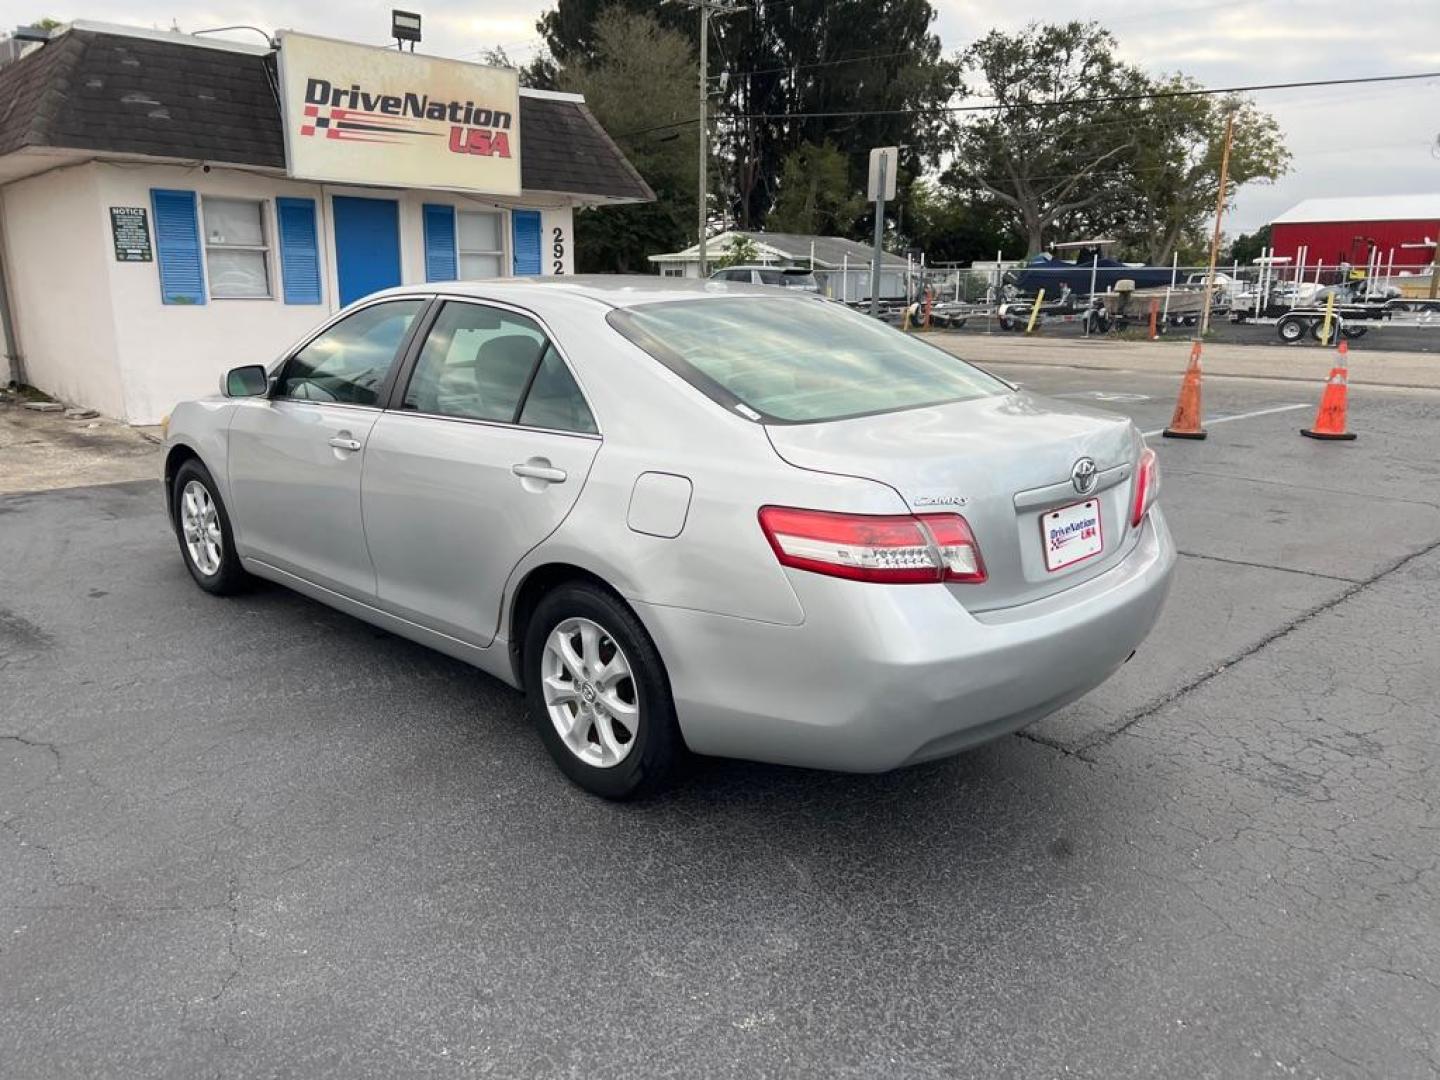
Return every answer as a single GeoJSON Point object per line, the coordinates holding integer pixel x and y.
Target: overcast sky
{"type": "Point", "coordinates": [1345, 141]}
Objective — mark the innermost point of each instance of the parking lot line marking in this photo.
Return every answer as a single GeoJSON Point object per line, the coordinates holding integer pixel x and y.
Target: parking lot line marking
{"type": "Point", "coordinates": [1238, 416]}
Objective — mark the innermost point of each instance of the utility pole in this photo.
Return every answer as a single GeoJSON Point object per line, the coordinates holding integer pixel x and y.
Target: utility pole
{"type": "Point", "coordinates": [1203, 326]}
{"type": "Point", "coordinates": [707, 7]}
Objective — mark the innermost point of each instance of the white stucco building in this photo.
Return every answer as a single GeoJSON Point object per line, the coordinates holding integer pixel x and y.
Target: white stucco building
{"type": "Point", "coordinates": [153, 233]}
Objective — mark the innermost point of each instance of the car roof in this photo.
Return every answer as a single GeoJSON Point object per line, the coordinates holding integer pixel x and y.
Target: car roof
{"type": "Point", "coordinates": [611, 290]}
{"type": "Point", "coordinates": [759, 266]}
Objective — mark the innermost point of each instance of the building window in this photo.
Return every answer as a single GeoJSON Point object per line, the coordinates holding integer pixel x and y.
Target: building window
{"type": "Point", "coordinates": [481, 242]}
{"type": "Point", "coordinates": [672, 270]}
{"type": "Point", "coordinates": [237, 254]}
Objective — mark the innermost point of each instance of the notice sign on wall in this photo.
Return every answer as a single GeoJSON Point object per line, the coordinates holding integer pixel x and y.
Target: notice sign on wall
{"type": "Point", "coordinates": [130, 228]}
{"type": "Point", "coordinates": [356, 114]}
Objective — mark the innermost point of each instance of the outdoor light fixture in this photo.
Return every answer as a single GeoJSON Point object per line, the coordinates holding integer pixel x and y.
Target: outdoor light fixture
{"type": "Point", "coordinates": [404, 26]}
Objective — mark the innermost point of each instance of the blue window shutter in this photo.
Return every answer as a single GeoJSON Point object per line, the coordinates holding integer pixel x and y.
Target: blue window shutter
{"type": "Point", "coordinates": [525, 225]}
{"type": "Point", "coordinates": [177, 247]}
{"type": "Point", "coordinates": [439, 243]}
{"type": "Point", "coordinates": [299, 250]}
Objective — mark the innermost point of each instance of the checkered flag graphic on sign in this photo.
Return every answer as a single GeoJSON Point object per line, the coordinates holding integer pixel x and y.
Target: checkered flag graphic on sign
{"type": "Point", "coordinates": [314, 121]}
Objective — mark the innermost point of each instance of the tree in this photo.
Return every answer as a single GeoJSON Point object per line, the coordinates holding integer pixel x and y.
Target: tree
{"type": "Point", "coordinates": [1247, 247]}
{"type": "Point", "coordinates": [1172, 177]}
{"type": "Point", "coordinates": [639, 78]}
{"type": "Point", "coordinates": [742, 251]}
{"type": "Point", "coordinates": [1046, 148]}
{"type": "Point", "coordinates": [803, 72]}
{"type": "Point", "coordinates": [949, 228]}
{"type": "Point", "coordinates": [816, 196]}
{"type": "Point", "coordinates": [781, 69]}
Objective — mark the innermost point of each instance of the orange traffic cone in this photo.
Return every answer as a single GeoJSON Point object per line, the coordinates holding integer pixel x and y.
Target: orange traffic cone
{"type": "Point", "coordinates": [1185, 424]}
{"type": "Point", "coordinates": [1330, 419]}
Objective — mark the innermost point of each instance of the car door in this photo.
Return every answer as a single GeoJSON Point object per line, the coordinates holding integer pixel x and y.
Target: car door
{"type": "Point", "coordinates": [296, 456]}
{"type": "Point", "coordinates": [483, 455]}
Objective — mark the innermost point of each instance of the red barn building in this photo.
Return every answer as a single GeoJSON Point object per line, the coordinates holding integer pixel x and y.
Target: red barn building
{"type": "Point", "coordinates": [1347, 229]}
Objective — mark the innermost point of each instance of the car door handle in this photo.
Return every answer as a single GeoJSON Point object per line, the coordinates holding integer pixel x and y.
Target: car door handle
{"type": "Point", "coordinates": [344, 442]}
{"type": "Point", "coordinates": [534, 470]}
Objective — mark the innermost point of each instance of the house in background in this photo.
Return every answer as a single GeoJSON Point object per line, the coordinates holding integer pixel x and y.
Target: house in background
{"type": "Point", "coordinates": [841, 266]}
{"type": "Point", "coordinates": [174, 206]}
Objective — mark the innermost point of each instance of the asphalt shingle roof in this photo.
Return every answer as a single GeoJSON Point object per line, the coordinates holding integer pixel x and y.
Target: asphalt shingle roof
{"type": "Point", "coordinates": [89, 90]}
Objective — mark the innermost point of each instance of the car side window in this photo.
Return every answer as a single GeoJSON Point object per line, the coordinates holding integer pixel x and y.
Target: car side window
{"type": "Point", "coordinates": [771, 277]}
{"type": "Point", "coordinates": [476, 363]}
{"type": "Point", "coordinates": [554, 401]}
{"type": "Point", "coordinates": [349, 361]}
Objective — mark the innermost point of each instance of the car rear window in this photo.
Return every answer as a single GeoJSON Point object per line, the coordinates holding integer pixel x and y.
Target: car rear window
{"type": "Point", "coordinates": [798, 360]}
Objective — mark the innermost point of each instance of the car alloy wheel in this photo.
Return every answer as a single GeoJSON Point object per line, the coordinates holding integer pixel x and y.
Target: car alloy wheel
{"type": "Point", "coordinates": [590, 694]}
{"type": "Point", "coordinates": [200, 526]}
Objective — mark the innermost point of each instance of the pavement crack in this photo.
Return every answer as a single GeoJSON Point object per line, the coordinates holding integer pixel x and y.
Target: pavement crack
{"type": "Point", "coordinates": [1053, 744]}
{"type": "Point", "coordinates": [1268, 566]}
{"type": "Point", "coordinates": [52, 861]}
{"type": "Point", "coordinates": [37, 744]}
{"type": "Point", "coordinates": [232, 938]}
{"type": "Point", "coordinates": [1411, 976]}
{"type": "Point", "coordinates": [1294, 624]}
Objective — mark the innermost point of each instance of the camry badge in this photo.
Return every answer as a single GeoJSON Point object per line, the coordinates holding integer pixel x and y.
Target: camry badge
{"type": "Point", "coordinates": [1084, 475]}
{"type": "Point", "coordinates": [939, 500]}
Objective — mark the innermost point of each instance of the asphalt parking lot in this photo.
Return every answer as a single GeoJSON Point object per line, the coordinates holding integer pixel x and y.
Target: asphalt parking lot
{"type": "Point", "coordinates": [256, 837]}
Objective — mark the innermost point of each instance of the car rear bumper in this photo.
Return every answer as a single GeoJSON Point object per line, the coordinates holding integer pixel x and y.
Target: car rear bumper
{"type": "Point", "coordinates": [882, 676]}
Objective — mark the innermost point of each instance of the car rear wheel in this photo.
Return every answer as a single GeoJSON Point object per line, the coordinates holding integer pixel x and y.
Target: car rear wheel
{"type": "Point", "coordinates": [203, 528]}
{"type": "Point", "coordinates": [598, 693]}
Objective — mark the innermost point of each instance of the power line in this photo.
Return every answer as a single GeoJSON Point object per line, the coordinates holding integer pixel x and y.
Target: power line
{"type": "Point", "coordinates": [1117, 99]}
{"type": "Point", "coordinates": [823, 63]}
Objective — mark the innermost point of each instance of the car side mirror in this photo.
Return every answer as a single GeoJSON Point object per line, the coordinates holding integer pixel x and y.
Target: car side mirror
{"type": "Point", "coordinates": [248, 381]}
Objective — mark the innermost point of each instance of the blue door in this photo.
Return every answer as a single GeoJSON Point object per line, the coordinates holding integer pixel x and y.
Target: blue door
{"type": "Point", "coordinates": [367, 246]}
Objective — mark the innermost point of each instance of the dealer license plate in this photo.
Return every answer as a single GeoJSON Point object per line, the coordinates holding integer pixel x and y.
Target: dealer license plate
{"type": "Point", "coordinates": [1071, 534]}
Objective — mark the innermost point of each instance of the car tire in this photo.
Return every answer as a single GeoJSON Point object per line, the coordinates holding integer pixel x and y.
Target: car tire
{"type": "Point", "coordinates": [202, 526]}
{"type": "Point", "coordinates": [620, 738]}
{"type": "Point", "coordinates": [1290, 330]}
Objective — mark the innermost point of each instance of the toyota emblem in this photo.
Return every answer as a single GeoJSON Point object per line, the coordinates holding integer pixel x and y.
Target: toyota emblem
{"type": "Point", "coordinates": [1084, 475]}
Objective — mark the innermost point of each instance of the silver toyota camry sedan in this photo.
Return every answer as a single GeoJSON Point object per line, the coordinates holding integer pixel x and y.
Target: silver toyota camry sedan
{"type": "Point", "coordinates": [685, 515]}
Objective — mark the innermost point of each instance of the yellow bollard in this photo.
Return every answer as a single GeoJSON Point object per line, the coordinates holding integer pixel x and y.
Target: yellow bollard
{"type": "Point", "coordinates": [1035, 311]}
{"type": "Point", "coordinates": [1329, 314]}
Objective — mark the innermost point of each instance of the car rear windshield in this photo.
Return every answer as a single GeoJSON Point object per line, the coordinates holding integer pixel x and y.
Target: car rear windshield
{"type": "Point", "coordinates": [798, 361]}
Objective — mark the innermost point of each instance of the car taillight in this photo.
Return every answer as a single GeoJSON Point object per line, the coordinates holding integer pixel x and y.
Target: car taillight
{"type": "Point", "coordinates": [900, 549]}
{"type": "Point", "coordinates": [1147, 486]}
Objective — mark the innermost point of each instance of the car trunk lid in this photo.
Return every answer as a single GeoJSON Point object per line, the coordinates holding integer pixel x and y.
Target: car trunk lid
{"type": "Point", "coordinates": [1006, 463]}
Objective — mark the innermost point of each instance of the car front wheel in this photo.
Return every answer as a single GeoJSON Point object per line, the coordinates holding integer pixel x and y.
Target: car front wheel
{"type": "Point", "coordinates": [203, 529]}
{"type": "Point", "coordinates": [598, 693]}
